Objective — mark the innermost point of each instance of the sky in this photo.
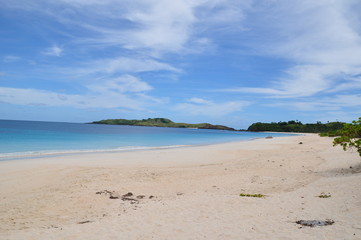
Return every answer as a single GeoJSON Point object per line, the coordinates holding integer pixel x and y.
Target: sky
{"type": "Point", "coordinates": [229, 62]}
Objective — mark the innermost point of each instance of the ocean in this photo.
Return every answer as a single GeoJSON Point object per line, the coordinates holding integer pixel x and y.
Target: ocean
{"type": "Point", "coordinates": [34, 138]}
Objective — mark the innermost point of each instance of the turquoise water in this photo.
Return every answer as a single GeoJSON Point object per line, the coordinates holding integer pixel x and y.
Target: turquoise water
{"type": "Point", "coordinates": [22, 138]}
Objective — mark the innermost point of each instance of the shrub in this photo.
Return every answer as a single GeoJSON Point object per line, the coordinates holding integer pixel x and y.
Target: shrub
{"type": "Point", "coordinates": [350, 136]}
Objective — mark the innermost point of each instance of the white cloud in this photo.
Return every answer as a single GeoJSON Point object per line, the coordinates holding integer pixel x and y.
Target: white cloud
{"type": "Point", "coordinates": [141, 35]}
{"type": "Point", "coordinates": [10, 58]}
{"type": "Point", "coordinates": [123, 84]}
{"type": "Point", "coordinates": [321, 40]}
{"type": "Point", "coordinates": [270, 91]}
{"type": "Point", "coordinates": [96, 70]}
{"type": "Point", "coordinates": [209, 108]}
{"type": "Point", "coordinates": [126, 64]}
{"type": "Point", "coordinates": [198, 101]}
{"type": "Point", "coordinates": [335, 103]}
{"type": "Point", "coordinates": [53, 51]}
{"type": "Point", "coordinates": [163, 25]}
{"type": "Point", "coordinates": [156, 26]}
{"type": "Point", "coordinates": [124, 92]}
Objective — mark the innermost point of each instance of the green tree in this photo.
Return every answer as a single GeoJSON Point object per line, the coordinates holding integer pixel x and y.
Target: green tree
{"type": "Point", "coordinates": [350, 136]}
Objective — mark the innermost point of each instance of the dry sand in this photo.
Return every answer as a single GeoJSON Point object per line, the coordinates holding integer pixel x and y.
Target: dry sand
{"type": "Point", "coordinates": [188, 193]}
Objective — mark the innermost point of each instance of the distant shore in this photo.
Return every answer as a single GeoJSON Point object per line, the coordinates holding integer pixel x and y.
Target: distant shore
{"type": "Point", "coordinates": [186, 193]}
{"type": "Point", "coordinates": [161, 122]}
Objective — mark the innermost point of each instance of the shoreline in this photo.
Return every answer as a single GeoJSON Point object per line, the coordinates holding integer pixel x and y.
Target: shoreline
{"type": "Point", "coordinates": [186, 193]}
{"type": "Point", "coordinates": [57, 153]}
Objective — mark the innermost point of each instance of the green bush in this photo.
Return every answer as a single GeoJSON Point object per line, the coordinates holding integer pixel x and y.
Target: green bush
{"type": "Point", "coordinates": [350, 136]}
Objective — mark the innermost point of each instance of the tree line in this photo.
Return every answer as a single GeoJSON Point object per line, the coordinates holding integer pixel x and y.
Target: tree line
{"type": "Point", "coordinates": [347, 135]}
{"type": "Point", "coordinates": [296, 126]}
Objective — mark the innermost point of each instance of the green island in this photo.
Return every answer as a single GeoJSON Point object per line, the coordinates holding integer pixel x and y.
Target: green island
{"type": "Point", "coordinates": [161, 122]}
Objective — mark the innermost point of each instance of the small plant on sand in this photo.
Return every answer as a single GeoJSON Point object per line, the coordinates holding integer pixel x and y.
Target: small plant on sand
{"type": "Point", "coordinates": [324, 196]}
{"type": "Point", "coordinates": [350, 136]}
{"type": "Point", "coordinates": [252, 195]}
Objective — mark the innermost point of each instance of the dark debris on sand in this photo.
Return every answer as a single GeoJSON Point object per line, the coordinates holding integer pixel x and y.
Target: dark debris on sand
{"type": "Point", "coordinates": [126, 197]}
{"type": "Point", "coordinates": [315, 223]}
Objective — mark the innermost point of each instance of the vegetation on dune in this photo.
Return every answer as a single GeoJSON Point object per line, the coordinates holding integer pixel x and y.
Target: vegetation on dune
{"type": "Point", "coordinates": [161, 122]}
{"type": "Point", "coordinates": [350, 136]}
{"type": "Point", "coordinates": [296, 126]}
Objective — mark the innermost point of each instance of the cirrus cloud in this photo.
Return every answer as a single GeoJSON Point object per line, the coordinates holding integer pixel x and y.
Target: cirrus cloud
{"type": "Point", "coordinates": [199, 106]}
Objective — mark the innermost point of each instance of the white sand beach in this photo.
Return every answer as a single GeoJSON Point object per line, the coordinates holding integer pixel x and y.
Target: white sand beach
{"type": "Point", "coordinates": [186, 193]}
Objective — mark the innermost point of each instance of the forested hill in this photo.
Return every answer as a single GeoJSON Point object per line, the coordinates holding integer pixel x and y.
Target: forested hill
{"type": "Point", "coordinates": [290, 126]}
{"type": "Point", "coordinates": [296, 126]}
{"type": "Point", "coordinates": [161, 122]}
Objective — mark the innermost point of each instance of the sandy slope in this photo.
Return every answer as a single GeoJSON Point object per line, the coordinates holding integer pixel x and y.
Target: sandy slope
{"type": "Point", "coordinates": [189, 193]}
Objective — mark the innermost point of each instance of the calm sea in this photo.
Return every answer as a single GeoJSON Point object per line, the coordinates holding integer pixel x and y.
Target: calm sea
{"type": "Point", "coordinates": [32, 138]}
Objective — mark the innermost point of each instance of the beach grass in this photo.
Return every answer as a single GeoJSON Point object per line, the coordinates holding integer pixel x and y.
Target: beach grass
{"type": "Point", "coordinates": [252, 195]}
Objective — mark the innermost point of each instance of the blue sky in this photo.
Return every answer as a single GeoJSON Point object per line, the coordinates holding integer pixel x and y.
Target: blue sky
{"type": "Point", "coordinates": [230, 62]}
